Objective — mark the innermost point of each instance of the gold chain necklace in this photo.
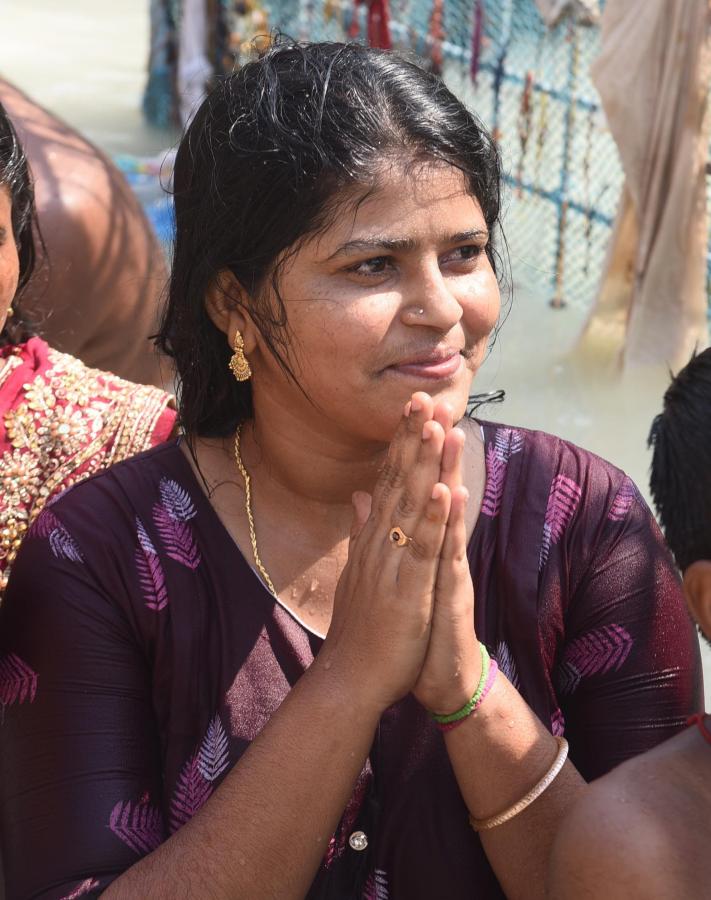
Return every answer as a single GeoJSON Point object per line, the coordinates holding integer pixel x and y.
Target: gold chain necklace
{"type": "Point", "coordinates": [250, 518]}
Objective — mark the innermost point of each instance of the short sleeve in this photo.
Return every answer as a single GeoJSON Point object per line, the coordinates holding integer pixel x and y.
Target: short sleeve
{"type": "Point", "coordinates": [628, 673]}
{"type": "Point", "coordinates": [80, 768]}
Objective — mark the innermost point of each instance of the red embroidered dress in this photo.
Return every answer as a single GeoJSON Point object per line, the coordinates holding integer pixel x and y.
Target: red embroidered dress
{"type": "Point", "coordinates": [59, 423]}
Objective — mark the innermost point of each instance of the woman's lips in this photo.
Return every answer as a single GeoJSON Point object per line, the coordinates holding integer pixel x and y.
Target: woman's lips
{"type": "Point", "coordinates": [432, 369]}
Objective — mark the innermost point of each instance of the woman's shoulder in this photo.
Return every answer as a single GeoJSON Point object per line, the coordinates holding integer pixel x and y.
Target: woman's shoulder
{"type": "Point", "coordinates": [108, 504]}
{"type": "Point", "coordinates": [547, 459]}
{"type": "Point", "coordinates": [61, 422]}
{"type": "Point", "coordinates": [133, 416]}
{"type": "Point", "coordinates": [60, 410]}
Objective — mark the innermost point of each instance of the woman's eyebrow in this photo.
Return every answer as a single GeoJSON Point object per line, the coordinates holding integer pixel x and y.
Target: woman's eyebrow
{"type": "Point", "coordinates": [376, 243]}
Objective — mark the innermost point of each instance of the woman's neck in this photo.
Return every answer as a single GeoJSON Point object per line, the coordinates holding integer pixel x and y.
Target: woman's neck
{"type": "Point", "coordinates": [314, 463]}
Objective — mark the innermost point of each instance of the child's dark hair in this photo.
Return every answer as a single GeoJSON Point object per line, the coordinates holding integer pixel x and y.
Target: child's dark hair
{"type": "Point", "coordinates": [680, 478]}
{"type": "Point", "coordinates": [15, 177]}
{"type": "Point", "coordinates": [261, 167]}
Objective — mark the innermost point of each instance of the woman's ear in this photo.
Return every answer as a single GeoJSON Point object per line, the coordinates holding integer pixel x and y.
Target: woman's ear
{"type": "Point", "coordinates": [227, 306]}
{"type": "Point", "coordinates": [697, 589]}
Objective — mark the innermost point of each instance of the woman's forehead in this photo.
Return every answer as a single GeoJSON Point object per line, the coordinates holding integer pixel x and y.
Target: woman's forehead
{"type": "Point", "coordinates": [407, 204]}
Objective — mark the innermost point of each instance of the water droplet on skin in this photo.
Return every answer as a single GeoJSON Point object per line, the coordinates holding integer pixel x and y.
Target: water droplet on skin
{"type": "Point", "coordinates": [327, 664]}
{"type": "Point", "coordinates": [314, 585]}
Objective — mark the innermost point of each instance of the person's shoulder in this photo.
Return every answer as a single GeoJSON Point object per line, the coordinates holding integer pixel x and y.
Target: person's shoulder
{"type": "Point", "coordinates": [622, 839]}
{"type": "Point", "coordinates": [129, 417]}
{"type": "Point", "coordinates": [566, 464]}
{"type": "Point", "coordinates": [96, 381]}
{"type": "Point", "coordinates": [127, 485]}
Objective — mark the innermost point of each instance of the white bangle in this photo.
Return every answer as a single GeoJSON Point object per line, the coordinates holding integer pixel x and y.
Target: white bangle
{"type": "Point", "coordinates": [533, 794]}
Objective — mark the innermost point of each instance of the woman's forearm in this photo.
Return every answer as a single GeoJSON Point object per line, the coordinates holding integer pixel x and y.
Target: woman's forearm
{"type": "Point", "coordinates": [265, 830]}
{"type": "Point", "coordinates": [498, 755]}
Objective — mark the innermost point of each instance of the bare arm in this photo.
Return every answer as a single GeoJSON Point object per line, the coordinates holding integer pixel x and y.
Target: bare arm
{"type": "Point", "coordinates": [265, 831]}
{"type": "Point", "coordinates": [612, 846]}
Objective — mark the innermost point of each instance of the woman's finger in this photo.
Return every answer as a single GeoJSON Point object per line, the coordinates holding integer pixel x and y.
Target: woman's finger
{"type": "Point", "coordinates": [403, 449]}
{"type": "Point", "coordinates": [420, 558]}
{"type": "Point", "coordinates": [401, 457]}
{"type": "Point", "coordinates": [362, 504]}
{"type": "Point", "coordinates": [405, 508]}
{"type": "Point", "coordinates": [444, 414]}
{"type": "Point", "coordinates": [453, 566]}
{"type": "Point", "coordinates": [452, 456]}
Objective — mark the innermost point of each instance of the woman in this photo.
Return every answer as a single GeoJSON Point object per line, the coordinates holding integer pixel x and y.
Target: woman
{"type": "Point", "coordinates": [59, 421]}
{"type": "Point", "coordinates": [255, 626]}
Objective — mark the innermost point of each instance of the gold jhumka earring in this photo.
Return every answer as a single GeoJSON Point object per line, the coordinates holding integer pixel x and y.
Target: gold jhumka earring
{"type": "Point", "coordinates": [239, 363]}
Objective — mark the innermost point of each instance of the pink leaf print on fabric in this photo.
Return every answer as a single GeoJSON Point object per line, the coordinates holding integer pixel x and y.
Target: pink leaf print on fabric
{"type": "Point", "coordinates": [177, 537]}
{"type": "Point", "coordinates": [507, 441]}
{"type": "Point", "coordinates": [81, 889]}
{"type": "Point", "coordinates": [557, 724]}
{"type": "Point", "coordinates": [594, 653]}
{"type": "Point", "coordinates": [213, 754]}
{"type": "Point", "coordinates": [563, 500]}
{"type": "Point", "coordinates": [63, 545]}
{"type": "Point", "coordinates": [191, 791]}
{"type": "Point", "coordinates": [143, 539]}
{"type": "Point", "coordinates": [623, 501]}
{"type": "Point", "coordinates": [44, 524]}
{"type": "Point", "coordinates": [507, 663]}
{"type": "Point", "coordinates": [17, 680]}
{"type": "Point", "coordinates": [495, 478]}
{"type": "Point", "coordinates": [139, 826]}
{"type": "Point", "coordinates": [150, 572]}
{"type": "Point", "coordinates": [376, 887]}
{"type": "Point", "coordinates": [176, 500]}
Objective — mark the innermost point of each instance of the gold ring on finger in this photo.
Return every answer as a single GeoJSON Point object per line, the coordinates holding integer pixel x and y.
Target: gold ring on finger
{"type": "Point", "coordinates": [398, 537]}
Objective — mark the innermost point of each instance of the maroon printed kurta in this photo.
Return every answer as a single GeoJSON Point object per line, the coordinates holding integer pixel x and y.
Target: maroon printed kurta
{"type": "Point", "coordinates": [141, 654]}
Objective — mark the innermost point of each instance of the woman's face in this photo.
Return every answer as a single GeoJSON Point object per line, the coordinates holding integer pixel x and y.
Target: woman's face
{"type": "Point", "coordinates": [396, 296]}
{"type": "Point", "coordinates": [9, 261]}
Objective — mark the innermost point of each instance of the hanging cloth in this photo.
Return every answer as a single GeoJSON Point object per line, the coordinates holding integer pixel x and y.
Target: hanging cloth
{"type": "Point", "coordinates": [378, 23]}
{"type": "Point", "coordinates": [653, 75]}
{"type": "Point", "coordinates": [584, 12]}
{"type": "Point", "coordinates": [436, 36]}
{"type": "Point", "coordinates": [477, 38]}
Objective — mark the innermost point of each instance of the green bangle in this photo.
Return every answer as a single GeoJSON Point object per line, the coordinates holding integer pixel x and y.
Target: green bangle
{"type": "Point", "coordinates": [470, 704]}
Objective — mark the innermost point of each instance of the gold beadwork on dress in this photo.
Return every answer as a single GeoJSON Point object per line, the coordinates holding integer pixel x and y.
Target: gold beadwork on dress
{"type": "Point", "coordinates": [70, 423]}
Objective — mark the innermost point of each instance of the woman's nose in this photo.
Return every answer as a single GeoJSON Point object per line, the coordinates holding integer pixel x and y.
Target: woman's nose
{"type": "Point", "coordinates": [429, 301]}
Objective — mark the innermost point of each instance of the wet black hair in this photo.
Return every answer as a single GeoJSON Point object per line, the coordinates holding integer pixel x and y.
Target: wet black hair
{"type": "Point", "coordinates": [15, 177]}
{"type": "Point", "coordinates": [266, 162]}
{"type": "Point", "coordinates": [680, 475]}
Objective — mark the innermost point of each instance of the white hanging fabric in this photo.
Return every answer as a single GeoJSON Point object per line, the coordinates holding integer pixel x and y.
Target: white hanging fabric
{"type": "Point", "coordinates": [653, 77]}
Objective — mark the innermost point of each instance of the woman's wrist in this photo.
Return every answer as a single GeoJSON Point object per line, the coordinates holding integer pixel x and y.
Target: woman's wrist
{"type": "Point", "coordinates": [454, 691]}
{"type": "Point", "coordinates": [346, 689]}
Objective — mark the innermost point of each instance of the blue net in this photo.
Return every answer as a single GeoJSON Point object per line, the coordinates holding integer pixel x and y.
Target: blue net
{"type": "Point", "coordinates": [531, 86]}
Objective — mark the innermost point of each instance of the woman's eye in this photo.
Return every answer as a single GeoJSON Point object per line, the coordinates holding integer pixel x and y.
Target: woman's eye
{"type": "Point", "coordinates": [465, 254]}
{"type": "Point", "coordinates": [375, 266]}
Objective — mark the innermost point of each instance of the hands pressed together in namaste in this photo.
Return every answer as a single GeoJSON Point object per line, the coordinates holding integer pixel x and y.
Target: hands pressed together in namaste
{"type": "Point", "coordinates": [403, 616]}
